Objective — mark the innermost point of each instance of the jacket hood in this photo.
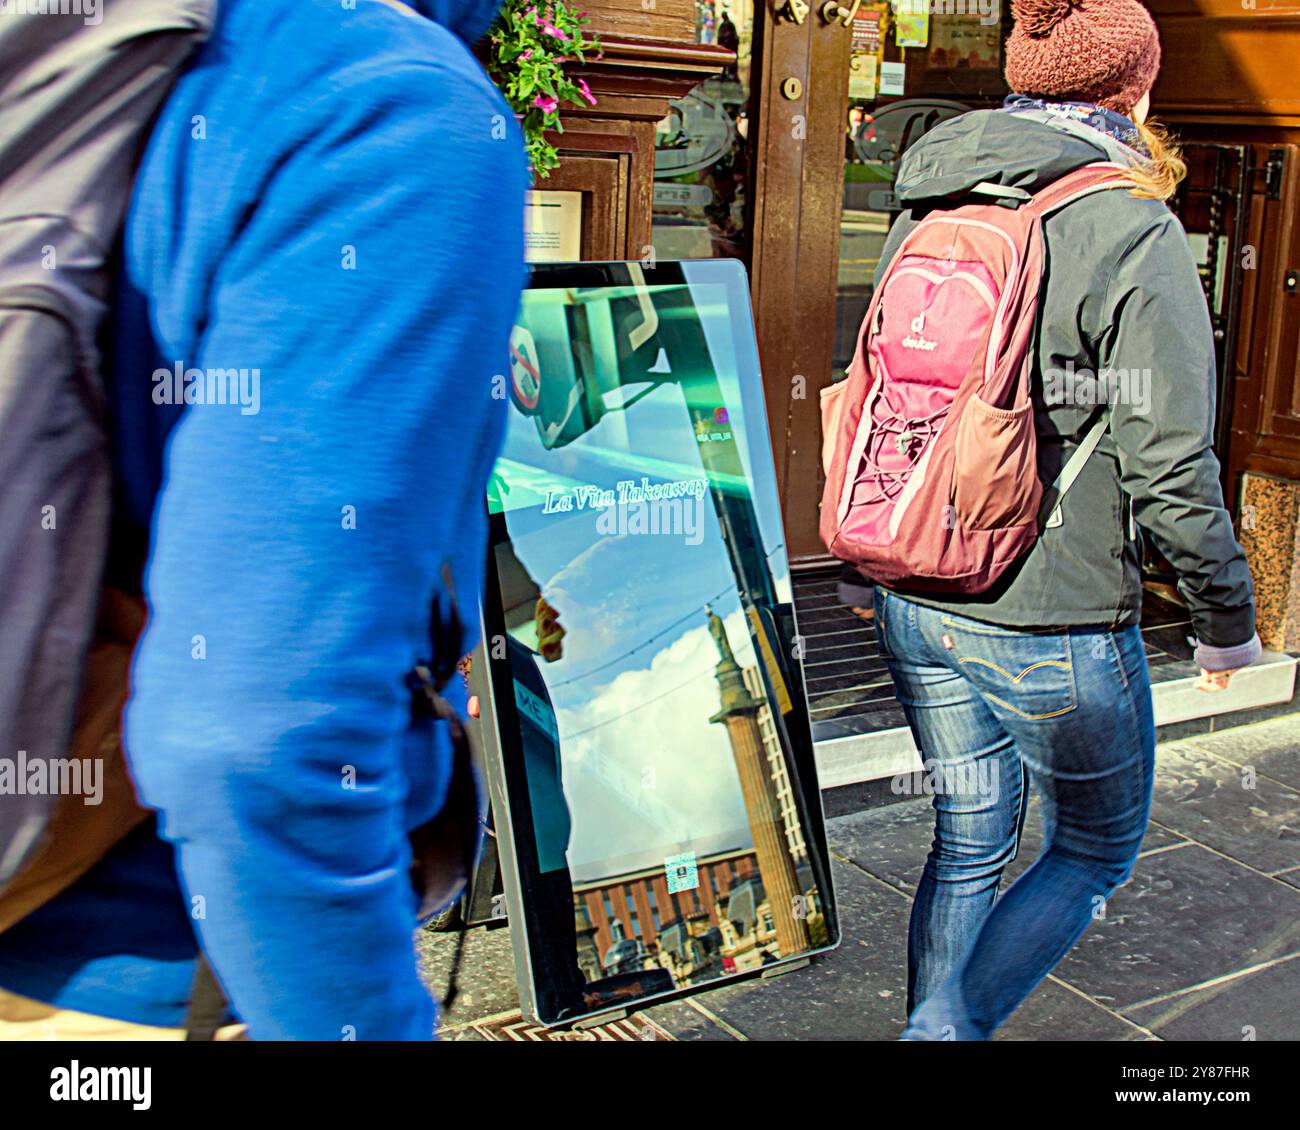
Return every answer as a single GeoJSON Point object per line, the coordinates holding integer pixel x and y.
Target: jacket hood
{"type": "Point", "coordinates": [1000, 147]}
{"type": "Point", "coordinates": [466, 19]}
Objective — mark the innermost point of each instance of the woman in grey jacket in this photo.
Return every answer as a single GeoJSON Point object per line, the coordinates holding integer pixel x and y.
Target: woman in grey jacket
{"type": "Point", "coordinates": [1044, 676]}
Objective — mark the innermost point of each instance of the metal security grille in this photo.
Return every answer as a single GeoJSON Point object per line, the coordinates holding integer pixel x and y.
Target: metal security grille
{"type": "Point", "coordinates": [1211, 204]}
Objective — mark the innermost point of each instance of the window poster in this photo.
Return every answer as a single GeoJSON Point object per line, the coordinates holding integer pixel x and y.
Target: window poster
{"type": "Point", "coordinates": [862, 76]}
{"type": "Point", "coordinates": [869, 29]}
{"type": "Point", "coordinates": [912, 23]}
{"type": "Point", "coordinates": [867, 50]}
{"type": "Point", "coordinates": [893, 78]}
{"type": "Point", "coordinates": [959, 41]}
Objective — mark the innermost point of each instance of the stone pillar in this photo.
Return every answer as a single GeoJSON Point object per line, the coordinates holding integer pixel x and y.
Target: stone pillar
{"type": "Point", "coordinates": [1270, 534]}
{"type": "Point", "coordinates": [739, 714]}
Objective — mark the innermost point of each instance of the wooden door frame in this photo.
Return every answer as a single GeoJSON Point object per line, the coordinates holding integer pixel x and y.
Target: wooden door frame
{"type": "Point", "coordinates": [797, 148]}
{"type": "Point", "coordinates": [1264, 438]}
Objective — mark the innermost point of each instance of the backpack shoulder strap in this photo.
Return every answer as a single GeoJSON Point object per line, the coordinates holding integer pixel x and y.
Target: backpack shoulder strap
{"type": "Point", "coordinates": [208, 1010]}
{"type": "Point", "coordinates": [1049, 512]}
{"type": "Point", "coordinates": [1096, 177]}
{"type": "Point", "coordinates": [1083, 181]}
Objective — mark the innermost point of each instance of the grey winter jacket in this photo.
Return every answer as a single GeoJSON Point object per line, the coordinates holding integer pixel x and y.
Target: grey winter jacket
{"type": "Point", "coordinates": [1120, 293]}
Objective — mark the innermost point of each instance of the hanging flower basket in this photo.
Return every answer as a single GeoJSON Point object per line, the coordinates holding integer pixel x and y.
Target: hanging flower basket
{"type": "Point", "coordinates": [531, 43]}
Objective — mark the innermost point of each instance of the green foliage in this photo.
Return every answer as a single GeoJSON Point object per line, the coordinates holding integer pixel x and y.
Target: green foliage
{"type": "Point", "coordinates": [531, 42]}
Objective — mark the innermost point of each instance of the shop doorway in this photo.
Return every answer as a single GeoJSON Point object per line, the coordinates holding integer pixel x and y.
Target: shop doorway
{"type": "Point", "coordinates": [787, 162]}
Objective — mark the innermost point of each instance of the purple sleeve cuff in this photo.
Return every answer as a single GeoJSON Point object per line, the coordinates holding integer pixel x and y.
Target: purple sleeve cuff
{"type": "Point", "coordinates": [854, 594]}
{"type": "Point", "coordinates": [1213, 658]}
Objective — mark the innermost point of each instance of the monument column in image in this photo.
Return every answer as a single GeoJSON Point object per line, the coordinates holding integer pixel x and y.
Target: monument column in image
{"type": "Point", "coordinates": [740, 715]}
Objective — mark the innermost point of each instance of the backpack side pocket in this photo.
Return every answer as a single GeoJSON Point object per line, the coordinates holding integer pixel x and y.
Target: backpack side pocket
{"type": "Point", "coordinates": [995, 472]}
{"type": "Point", "coordinates": [832, 406]}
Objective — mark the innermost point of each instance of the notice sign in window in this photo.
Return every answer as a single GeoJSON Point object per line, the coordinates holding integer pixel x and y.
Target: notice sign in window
{"type": "Point", "coordinates": [552, 226]}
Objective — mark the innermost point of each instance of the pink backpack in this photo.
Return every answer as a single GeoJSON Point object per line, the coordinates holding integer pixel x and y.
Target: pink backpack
{"type": "Point", "coordinates": [929, 446]}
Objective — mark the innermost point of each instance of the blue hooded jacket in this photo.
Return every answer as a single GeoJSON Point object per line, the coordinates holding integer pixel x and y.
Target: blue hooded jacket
{"type": "Point", "coordinates": [331, 204]}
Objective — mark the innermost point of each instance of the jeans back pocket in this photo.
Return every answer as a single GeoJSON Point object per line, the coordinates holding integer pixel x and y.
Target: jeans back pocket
{"type": "Point", "coordinates": [1029, 673]}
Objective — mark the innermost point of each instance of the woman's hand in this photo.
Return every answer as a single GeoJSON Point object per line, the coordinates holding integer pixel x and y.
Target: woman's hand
{"type": "Point", "coordinates": [1215, 681]}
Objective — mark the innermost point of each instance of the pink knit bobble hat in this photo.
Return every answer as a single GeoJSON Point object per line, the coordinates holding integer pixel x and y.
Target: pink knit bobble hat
{"type": "Point", "coordinates": [1100, 51]}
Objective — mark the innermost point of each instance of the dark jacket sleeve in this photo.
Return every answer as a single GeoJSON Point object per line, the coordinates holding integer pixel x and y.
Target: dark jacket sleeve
{"type": "Point", "coordinates": [1157, 327]}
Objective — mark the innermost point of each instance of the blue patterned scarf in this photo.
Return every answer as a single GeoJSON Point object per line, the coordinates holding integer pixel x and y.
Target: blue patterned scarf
{"type": "Point", "coordinates": [1109, 122]}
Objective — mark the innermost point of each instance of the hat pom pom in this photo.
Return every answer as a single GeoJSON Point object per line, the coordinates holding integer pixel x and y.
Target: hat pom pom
{"type": "Point", "coordinates": [1038, 17]}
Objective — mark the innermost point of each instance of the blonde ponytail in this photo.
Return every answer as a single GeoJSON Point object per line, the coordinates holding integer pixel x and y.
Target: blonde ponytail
{"type": "Point", "coordinates": [1158, 178]}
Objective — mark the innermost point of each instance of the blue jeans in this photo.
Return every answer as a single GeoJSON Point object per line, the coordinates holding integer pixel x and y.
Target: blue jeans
{"type": "Point", "coordinates": [991, 709]}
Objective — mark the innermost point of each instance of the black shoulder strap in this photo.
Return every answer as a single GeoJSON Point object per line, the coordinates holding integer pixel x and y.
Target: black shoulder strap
{"type": "Point", "coordinates": [207, 1011]}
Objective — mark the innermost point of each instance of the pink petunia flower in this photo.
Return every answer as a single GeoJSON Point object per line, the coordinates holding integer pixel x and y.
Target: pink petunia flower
{"type": "Point", "coordinates": [585, 91]}
{"type": "Point", "coordinates": [546, 104]}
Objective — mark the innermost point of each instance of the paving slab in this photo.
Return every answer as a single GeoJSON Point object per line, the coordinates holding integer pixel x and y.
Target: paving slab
{"type": "Point", "coordinates": [889, 841]}
{"type": "Point", "coordinates": [487, 973]}
{"type": "Point", "coordinates": [1201, 944]}
{"type": "Point", "coordinates": [1291, 878]}
{"type": "Point", "coordinates": [1156, 839]}
{"type": "Point", "coordinates": [1271, 747]}
{"type": "Point", "coordinates": [857, 992]}
{"type": "Point", "coordinates": [1186, 917]}
{"type": "Point", "coordinates": [684, 1022]}
{"type": "Point", "coordinates": [1227, 806]}
{"type": "Point", "coordinates": [1054, 1011]}
{"type": "Point", "coordinates": [1257, 1006]}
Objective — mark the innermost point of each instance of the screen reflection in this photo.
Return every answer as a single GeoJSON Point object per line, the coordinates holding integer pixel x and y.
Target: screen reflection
{"type": "Point", "coordinates": [645, 690]}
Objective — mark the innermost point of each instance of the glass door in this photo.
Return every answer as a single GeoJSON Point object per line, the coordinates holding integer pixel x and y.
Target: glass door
{"type": "Point", "coordinates": [702, 168]}
{"type": "Point", "coordinates": [787, 161]}
{"type": "Point", "coordinates": [911, 67]}
{"type": "Point", "coordinates": [730, 165]}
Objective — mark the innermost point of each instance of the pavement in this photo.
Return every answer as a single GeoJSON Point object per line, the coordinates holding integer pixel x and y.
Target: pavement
{"type": "Point", "coordinates": [1203, 943]}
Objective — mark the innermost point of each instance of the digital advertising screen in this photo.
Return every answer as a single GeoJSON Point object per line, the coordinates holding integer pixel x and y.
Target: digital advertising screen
{"type": "Point", "coordinates": [648, 727]}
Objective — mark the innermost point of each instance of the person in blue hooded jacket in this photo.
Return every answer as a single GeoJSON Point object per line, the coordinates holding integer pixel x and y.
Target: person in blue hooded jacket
{"type": "Point", "coordinates": [330, 206]}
